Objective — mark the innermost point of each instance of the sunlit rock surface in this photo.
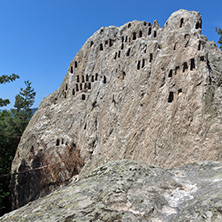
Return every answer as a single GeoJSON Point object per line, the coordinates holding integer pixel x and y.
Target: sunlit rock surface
{"type": "Point", "coordinates": [138, 92]}
{"type": "Point", "coordinates": [127, 190]}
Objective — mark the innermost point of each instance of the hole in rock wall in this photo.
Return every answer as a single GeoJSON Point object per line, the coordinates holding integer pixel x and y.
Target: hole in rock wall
{"type": "Point", "coordinates": [76, 64]}
{"type": "Point", "coordinates": [186, 36]}
{"type": "Point", "coordinates": [149, 30]}
{"type": "Point", "coordinates": [110, 42]}
{"type": "Point", "coordinates": [94, 104]}
{"type": "Point", "coordinates": [96, 78]}
{"type": "Point", "coordinates": [104, 79]}
{"type": "Point", "coordinates": [124, 74]}
{"type": "Point", "coordinates": [128, 52]}
{"type": "Point", "coordinates": [119, 54]}
{"type": "Point", "coordinates": [62, 141]}
{"type": "Point", "coordinates": [170, 73]}
{"type": "Point", "coordinates": [126, 38]}
{"type": "Point", "coordinates": [91, 43]}
{"type": "Point", "coordinates": [55, 101]}
{"type": "Point", "coordinates": [209, 80]}
{"type": "Point", "coordinates": [66, 86]}
{"type": "Point", "coordinates": [80, 86]}
{"type": "Point", "coordinates": [170, 97]}
{"type": "Point", "coordinates": [138, 65]}
{"type": "Point", "coordinates": [83, 79]}
{"type": "Point", "coordinates": [73, 92]}
{"type": "Point", "coordinates": [87, 78]}
{"type": "Point", "coordinates": [145, 24]}
{"type": "Point", "coordinates": [129, 25]}
{"type": "Point", "coordinates": [65, 95]}
{"type": "Point", "coordinates": [57, 142]}
{"type": "Point", "coordinates": [122, 46]}
{"type": "Point", "coordinates": [83, 97]}
{"type": "Point", "coordinates": [185, 66]}
{"type": "Point", "coordinates": [151, 57]}
{"type": "Point", "coordinates": [71, 69]}
{"type": "Point", "coordinates": [154, 34]}
{"type": "Point", "coordinates": [89, 85]}
{"type": "Point", "coordinates": [85, 86]}
{"type": "Point", "coordinates": [115, 55]}
{"type": "Point", "coordinates": [198, 25]}
{"type": "Point", "coordinates": [122, 38]}
{"type": "Point", "coordinates": [77, 87]}
{"type": "Point", "coordinates": [176, 69]}
{"type": "Point", "coordinates": [180, 91]}
{"type": "Point", "coordinates": [140, 34]}
{"type": "Point", "coordinates": [106, 42]}
{"type": "Point", "coordinates": [92, 78]}
{"type": "Point", "coordinates": [186, 43]}
{"type": "Point", "coordinates": [181, 22]}
{"type": "Point", "coordinates": [32, 149]}
{"type": "Point", "coordinates": [202, 58]}
{"type": "Point", "coordinates": [101, 47]}
{"type": "Point", "coordinates": [199, 46]}
{"type": "Point", "coordinates": [192, 64]}
{"type": "Point", "coordinates": [175, 45]}
{"type": "Point", "coordinates": [143, 63]}
{"type": "Point", "coordinates": [134, 36]}
{"type": "Point", "coordinates": [77, 78]}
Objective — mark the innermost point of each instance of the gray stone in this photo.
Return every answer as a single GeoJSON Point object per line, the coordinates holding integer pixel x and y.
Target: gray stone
{"type": "Point", "coordinates": [138, 92]}
{"type": "Point", "coordinates": [127, 190]}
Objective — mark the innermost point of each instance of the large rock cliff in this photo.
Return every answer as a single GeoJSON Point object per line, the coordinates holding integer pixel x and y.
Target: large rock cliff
{"type": "Point", "coordinates": [138, 92]}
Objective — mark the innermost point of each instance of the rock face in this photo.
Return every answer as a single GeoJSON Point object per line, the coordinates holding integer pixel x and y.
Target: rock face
{"type": "Point", "coordinates": [135, 92]}
{"type": "Point", "coordinates": [127, 190]}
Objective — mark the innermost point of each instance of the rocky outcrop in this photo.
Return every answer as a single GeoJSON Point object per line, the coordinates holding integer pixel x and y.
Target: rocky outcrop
{"type": "Point", "coordinates": [127, 190]}
{"type": "Point", "coordinates": [137, 92]}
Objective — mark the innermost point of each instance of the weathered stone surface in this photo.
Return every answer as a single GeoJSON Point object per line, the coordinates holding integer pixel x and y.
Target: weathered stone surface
{"type": "Point", "coordinates": [127, 190]}
{"type": "Point", "coordinates": [135, 92]}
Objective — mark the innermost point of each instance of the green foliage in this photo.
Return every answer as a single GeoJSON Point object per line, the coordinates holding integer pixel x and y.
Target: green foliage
{"type": "Point", "coordinates": [219, 31]}
{"type": "Point", "coordinates": [12, 125]}
{"type": "Point", "coordinates": [23, 102]}
{"type": "Point", "coordinates": [8, 146]}
{"type": "Point", "coordinates": [4, 79]}
{"type": "Point", "coordinates": [26, 97]}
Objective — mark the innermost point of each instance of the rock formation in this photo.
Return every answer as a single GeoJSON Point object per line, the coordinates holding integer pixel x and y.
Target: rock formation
{"type": "Point", "coordinates": [126, 190]}
{"type": "Point", "coordinates": [138, 92]}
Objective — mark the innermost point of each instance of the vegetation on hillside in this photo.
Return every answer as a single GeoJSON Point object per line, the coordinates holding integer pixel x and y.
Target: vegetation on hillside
{"type": "Point", "coordinates": [12, 125]}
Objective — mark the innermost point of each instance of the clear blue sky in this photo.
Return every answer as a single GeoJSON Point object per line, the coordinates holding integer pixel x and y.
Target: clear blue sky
{"type": "Point", "coordinates": [39, 38]}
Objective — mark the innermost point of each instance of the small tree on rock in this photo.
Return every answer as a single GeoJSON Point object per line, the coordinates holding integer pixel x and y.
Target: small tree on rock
{"type": "Point", "coordinates": [219, 31]}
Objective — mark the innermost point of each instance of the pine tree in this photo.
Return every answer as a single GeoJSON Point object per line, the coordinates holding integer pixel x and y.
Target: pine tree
{"type": "Point", "coordinates": [219, 31]}
{"type": "Point", "coordinates": [23, 103]}
{"type": "Point", "coordinates": [6, 79]}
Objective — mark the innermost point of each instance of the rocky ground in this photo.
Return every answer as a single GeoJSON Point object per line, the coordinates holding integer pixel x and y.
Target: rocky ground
{"type": "Point", "coordinates": [127, 190]}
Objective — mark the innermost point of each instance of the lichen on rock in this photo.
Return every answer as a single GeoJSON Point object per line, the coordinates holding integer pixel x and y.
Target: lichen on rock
{"type": "Point", "coordinates": [127, 190]}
